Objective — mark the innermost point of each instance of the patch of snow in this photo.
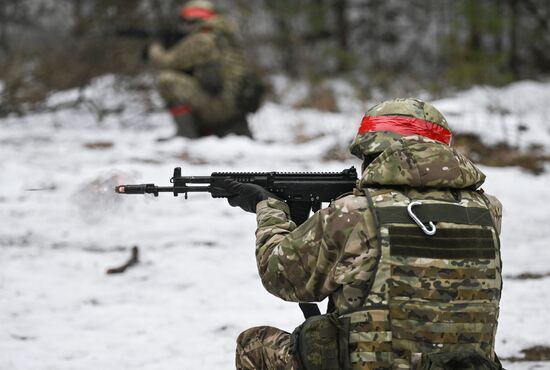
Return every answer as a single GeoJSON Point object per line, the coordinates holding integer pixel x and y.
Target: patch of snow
{"type": "Point", "coordinates": [497, 114]}
{"type": "Point", "coordinates": [196, 287]}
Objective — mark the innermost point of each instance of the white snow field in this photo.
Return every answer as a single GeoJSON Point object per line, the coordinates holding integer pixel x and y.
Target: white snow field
{"type": "Point", "coordinates": [196, 288]}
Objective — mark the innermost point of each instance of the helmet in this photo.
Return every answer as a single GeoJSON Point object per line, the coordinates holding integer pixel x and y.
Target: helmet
{"type": "Point", "coordinates": [197, 10]}
{"type": "Point", "coordinates": [387, 122]}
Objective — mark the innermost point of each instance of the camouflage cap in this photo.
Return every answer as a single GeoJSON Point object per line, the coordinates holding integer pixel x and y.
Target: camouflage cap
{"type": "Point", "coordinates": [198, 9]}
{"type": "Point", "coordinates": [370, 143]}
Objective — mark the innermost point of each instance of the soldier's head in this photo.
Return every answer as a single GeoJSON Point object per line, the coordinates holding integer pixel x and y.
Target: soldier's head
{"type": "Point", "coordinates": [197, 11]}
{"type": "Point", "coordinates": [387, 122]}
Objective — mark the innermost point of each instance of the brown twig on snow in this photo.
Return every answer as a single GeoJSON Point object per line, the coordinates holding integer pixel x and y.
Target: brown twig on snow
{"type": "Point", "coordinates": [134, 260]}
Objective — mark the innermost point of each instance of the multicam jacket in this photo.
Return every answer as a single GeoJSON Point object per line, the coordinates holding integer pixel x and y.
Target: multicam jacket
{"type": "Point", "coordinates": [404, 298]}
{"type": "Point", "coordinates": [210, 45]}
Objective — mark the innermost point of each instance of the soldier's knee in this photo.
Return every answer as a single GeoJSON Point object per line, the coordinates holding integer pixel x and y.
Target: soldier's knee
{"type": "Point", "coordinates": [175, 86]}
{"type": "Point", "coordinates": [263, 347]}
{"type": "Point", "coordinates": [166, 80]}
{"type": "Point", "coordinates": [248, 335]}
{"type": "Point", "coordinates": [258, 334]}
{"type": "Point", "coordinates": [170, 78]}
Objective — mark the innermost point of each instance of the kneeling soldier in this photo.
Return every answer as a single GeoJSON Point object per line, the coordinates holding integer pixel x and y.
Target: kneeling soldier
{"type": "Point", "coordinates": [203, 78]}
{"type": "Point", "coordinates": [410, 261]}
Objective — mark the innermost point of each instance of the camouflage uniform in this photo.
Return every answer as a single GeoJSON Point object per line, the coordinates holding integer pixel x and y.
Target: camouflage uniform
{"type": "Point", "coordinates": [204, 70]}
{"type": "Point", "coordinates": [341, 252]}
{"type": "Point", "coordinates": [264, 345]}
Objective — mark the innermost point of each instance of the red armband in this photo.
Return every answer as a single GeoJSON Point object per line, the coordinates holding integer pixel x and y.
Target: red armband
{"type": "Point", "coordinates": [404, 125]}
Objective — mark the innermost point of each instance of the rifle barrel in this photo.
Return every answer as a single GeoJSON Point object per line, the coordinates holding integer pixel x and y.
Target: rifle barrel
{"type": "Point", "coordinates": [153, 189]}
{"type": "Point", "coordinates": [132, 189]}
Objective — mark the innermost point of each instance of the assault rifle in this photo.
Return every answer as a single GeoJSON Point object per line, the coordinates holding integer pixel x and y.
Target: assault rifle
{"type": "Point", "coordinates": [302, 191]}
{"type": "Point", "coordinates": [167, 36]}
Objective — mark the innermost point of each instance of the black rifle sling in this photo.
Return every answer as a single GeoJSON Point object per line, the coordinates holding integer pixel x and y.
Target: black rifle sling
{"type": "Point", "coordinates": [299, 213]}
{"type": "Point", "coordinates": [309, 309]}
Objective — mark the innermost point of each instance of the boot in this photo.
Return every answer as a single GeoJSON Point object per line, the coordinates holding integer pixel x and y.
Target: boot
{"type": "Point", "coordinates": [185, 123]}
{"type": "Point", "coordinates": [186, 126]}
{"type": "Point", "coordinates": [240, 126]}
{"type": "Point", "coordinates": [237, 125]}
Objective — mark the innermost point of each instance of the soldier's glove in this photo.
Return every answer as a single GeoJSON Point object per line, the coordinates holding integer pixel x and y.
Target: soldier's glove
{"type": "Point", "coordinates": [247, 196]}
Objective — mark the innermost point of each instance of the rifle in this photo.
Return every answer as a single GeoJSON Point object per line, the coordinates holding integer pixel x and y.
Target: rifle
{"type": "Point", "coordinates": [302, 191]}
{"type": "Point", "coordinates": [167, 36]}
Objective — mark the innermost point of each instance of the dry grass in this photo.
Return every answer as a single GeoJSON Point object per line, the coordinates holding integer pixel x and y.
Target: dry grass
{"type": "Point", "coordinates": [500, 154]}
{"type": "Point", "coordinates": [320, 98]}
{"type": "Point", "coordinates": [535, 353]}
{"type": "Point", "coordinates": [99, 145]}
{"type": "Point", "coordinates": [337, 152]}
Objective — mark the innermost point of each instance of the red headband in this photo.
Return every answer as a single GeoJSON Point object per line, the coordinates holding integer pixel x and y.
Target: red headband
{"type": "Point", "coordinates": [406, 126]}
{"type": "Point", "coordinates": [196, 12]}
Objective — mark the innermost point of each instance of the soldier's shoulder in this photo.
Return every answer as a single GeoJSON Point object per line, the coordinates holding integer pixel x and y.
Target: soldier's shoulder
{"type": "Point", "coordinates": [350, 203]}
{"type": "Point", "coordinates": [494, 202]}
{"type": "Point", "coordinates": [196, 37]}
{"type": "Point", "coordinates": [495, 207]}
{"type": "Point", "coordinates": [221, 24]}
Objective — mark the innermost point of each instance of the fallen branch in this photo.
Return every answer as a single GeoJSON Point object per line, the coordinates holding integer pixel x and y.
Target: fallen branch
{"type": "Point", "coordinates": [134, 260]}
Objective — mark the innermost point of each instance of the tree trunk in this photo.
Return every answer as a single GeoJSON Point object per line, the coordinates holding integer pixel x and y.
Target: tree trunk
{"type": "Point", "coordinates": [342, 32]}
{"type": "Point", "coordinates": [473, 15]}
{"type": "Point", "coordinates": [513, 60]}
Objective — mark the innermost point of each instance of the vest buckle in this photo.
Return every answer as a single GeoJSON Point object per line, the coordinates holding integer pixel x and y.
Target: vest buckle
{"type": "Point", "coordinates": [415, 218]}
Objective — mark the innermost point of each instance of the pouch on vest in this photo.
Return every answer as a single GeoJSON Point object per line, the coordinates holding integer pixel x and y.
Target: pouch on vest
{"type": "Point", "coordinates": [251, 91]}
{"type": "Point", "coordinates": [321, 343]}
{"type": "Point", "coordinates": [460, 360]}
{"type": "Point", "coordinates": [210, 77]}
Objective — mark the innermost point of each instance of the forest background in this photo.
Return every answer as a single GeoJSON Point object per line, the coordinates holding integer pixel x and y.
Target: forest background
{"type": "Point", "coordinates": [383, 47]}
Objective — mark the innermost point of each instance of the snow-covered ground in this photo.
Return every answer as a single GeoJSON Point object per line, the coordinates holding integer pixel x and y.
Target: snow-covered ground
{"type": "Point", "coordinates": [196, 288]}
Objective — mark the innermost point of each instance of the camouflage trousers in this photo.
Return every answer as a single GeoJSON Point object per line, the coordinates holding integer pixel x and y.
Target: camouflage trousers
{"type": "Point", "coordinates": [179, 88]}
{"type": "Point", "coordinates": [264, 348]}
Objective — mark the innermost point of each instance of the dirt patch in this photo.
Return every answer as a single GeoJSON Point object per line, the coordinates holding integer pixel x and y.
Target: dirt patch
{"type": "Point", "coordinates": [187, 157]}
{"type": "Point", "coordinates": [321, 98]}
{"type": "Point", "coordinates": [99, 145]}
{"type": "Point", "coordinates": [337, 153]}
{"type": "Point", "coordinates": [146, 160]}
{"type": "Point", "coordinates": [301, 136]}
{"type": "Point", "coordinates": [528, 276]}
{"type": "Point", "coordinates": [532, 159]}
{"type": "Point", "coordinates": [535, 353]}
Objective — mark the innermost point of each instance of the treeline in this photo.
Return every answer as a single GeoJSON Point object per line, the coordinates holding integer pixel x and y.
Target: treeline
{"type": "Point", "coordinates": [389, 45]}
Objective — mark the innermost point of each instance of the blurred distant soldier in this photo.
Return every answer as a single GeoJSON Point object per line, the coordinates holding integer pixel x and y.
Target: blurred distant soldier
{"type": "Point", "coordinates": [410, 260]}
{"type": "Point", "coordinates": [204, 80]}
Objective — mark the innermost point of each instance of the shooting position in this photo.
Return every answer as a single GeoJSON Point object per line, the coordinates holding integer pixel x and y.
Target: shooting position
{"type": "Point", "coordinates": [203, 78]}
{"type": "Point", "coordinates": [408, 256]}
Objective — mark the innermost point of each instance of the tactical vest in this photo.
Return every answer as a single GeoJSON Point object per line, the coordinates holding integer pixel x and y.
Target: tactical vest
{"type": "Point", "coordinates": [431, 293]}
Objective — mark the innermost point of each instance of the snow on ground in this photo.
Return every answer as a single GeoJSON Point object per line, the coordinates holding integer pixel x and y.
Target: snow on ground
{"type": "Point", "coordinates": [517, 114]}
{"type": "Point", "coordinates": [197, 287]}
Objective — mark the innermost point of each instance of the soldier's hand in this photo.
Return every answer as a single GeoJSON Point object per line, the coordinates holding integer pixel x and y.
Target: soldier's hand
{"type": "Point", "coordinates": [247, 196]}
{"type": "Point", "coordinates": [155, 49]}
